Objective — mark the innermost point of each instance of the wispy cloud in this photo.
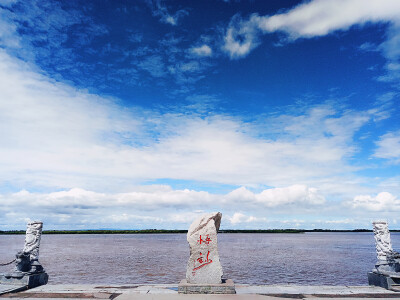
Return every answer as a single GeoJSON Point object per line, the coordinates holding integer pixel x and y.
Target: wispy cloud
{"type": "Point", "coordinates": [367, 46]}
{"type": "Point", "coordinates": [136, 37]}
{"type": "Point", "coordinates": [382, 202]}
{"type": "Point", "coordinates": [160, 10]}
{"type": "Point", "coordinates": [279, 196]}
{"type": "Point", "coordinates": [72, 45]}
{"type": "Point", "coordinates": [154, 65]}
{"type": "Point", "coordinates": [41, 23]}
{"type": "Point", "coordinates": [200, 103]}
{"type": "Point", "coordinates": [319, 18]}
{"type": "Point", "coordinates": [342, 221]}
{"type": "Point", "coordinates": [241, 37]}
{"type": "Point", "coordinates": [50, 128]}
{"type": "Point", "coordinates": [239, 218]}
{"type": "Point", "coordinates": [7, 3]}
{"type": "Point", "coordinates": [203, 50]}
{"type": "Point", "coordinates": [154, 203]}
{"type": "Point", "coordinates": [72, 156]}
{"type": "Point", "coordinates": [46, 34]}
{"type": "Point", "coordinates": [8, 38]}
{"type": "Point", "coordinates": [96, 152]}
{"type": "Point", "coordinates": [389, 147]}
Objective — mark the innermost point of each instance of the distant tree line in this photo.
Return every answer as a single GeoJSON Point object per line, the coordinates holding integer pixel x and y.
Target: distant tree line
{"type": "Point", "coordinates": [261, 231]}
{"type": "Point", "coordinates": [158, 231]}
{"type": "Point", "coordinates": [99, 231]}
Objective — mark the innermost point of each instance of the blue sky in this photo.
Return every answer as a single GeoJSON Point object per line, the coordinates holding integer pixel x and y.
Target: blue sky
{"type": "Point", "coordinates": [145, 114]}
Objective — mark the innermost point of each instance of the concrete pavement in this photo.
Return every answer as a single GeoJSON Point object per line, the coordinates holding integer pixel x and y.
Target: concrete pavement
{"type": "Point", "coordinates": [169, 292]}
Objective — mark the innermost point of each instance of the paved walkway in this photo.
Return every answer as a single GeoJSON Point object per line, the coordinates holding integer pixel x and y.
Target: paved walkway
{"type": "Point", "coordinates": [169, 292]}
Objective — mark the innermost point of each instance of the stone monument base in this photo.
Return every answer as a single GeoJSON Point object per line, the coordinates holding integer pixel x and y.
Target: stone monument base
{"type": "Point", "coordinates": [26, 281]}
{"type": "Point", "coordinates": [384, 281]}
{"type": "Point", "coordinates": [226, 287]}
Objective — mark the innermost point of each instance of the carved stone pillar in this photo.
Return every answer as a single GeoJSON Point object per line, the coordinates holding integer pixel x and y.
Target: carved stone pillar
{"type": "Point", "coordinates": [28, 272]}
{"type": "Point", "coordinates": [27, 260]}
{"type": "Point", "coordinates": [382, 240]}
{"type": "Point", "coordinates": [32, 239]}
{"type": "Point", "coordinates": [386, 273]}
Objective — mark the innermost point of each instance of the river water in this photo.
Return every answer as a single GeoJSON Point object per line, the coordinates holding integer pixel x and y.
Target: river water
{"type": "Point", "coordinates": [309, 258]}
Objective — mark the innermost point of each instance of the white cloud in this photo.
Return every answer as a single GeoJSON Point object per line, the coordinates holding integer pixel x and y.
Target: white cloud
{"type": "Point", "coordinates": [239, 218]}
{"type": "Point", "coordinates": [159, 205]}
{"type": "Point", "coordinates": [241, 37]}
{"type": "Point", "coordinates": [152, 198]}
{"type": "Point", "coordinates": [296, 194]}
{"type": "Point", "coordinates": [121, 218]}
{"type": "Point", "coordinates": [87, 147]}
{"type": "Point", "coordinates": [163, 207]}
{"type": "Point", "coordinates": [342, 221]}
{"type": "Point", "coordinates": [161, 196]}
{"type": "Point", "coordinates": [384, 201]}
{"type": "Point", "coordinates": [389, 147]}
{"type": "Point", "coordinates": [391, 46]}
{"type": "Point", "coordinates": [319, 18]}
{"type": "Point", "coordinates": [203, 50]}
{"type": "Point", "coordinates": [147, 207]}
{"type": "Point", "coordinates": [57, 137]}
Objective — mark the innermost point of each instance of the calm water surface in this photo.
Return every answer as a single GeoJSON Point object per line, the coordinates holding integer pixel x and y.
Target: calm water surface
{"type": "Point", "coordinates": [310, 258]}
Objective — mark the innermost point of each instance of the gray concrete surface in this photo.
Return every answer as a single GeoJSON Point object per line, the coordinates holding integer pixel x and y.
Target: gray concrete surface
{"type": "Point", "coordinates": [6, 288]}
{"type": "Point", "coordinates": [169, 292]}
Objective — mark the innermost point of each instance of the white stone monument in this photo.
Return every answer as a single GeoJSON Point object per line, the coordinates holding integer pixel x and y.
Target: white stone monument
{"type": "Point", "coordinates": [204, 265]}
{"type": "Point", "coordinates": [204, 270]}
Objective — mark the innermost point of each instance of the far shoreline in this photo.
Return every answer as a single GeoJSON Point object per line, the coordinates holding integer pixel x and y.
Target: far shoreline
{"type": "Point", "coordinates": [177, 231]}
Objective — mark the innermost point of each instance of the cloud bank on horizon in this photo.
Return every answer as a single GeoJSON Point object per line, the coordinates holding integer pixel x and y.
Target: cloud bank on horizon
{"type": "Point", "coordinates": [276, 116]}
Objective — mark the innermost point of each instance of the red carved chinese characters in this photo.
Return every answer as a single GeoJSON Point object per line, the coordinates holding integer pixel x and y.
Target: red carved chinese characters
{"type": "Point", "coordinates": [201, 261]}
{"type": "Point", "coordinates": [207, 240]}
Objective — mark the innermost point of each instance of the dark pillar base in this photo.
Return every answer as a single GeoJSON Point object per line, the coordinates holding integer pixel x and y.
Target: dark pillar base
{"type": "Point", "coordinates": [228, 287]}
{"type": "Point", "coordinates": [386, 282]}
{"type": "Point", "coordinates": [23, 283]}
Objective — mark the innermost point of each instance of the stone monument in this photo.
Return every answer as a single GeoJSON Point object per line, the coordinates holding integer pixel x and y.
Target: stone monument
{"type": "Point", "coordinates": [204, 270]}
{"type": "Point", "coordinates": [28, 272]}
{"type": "Point", "coordinates": [387, 268]}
